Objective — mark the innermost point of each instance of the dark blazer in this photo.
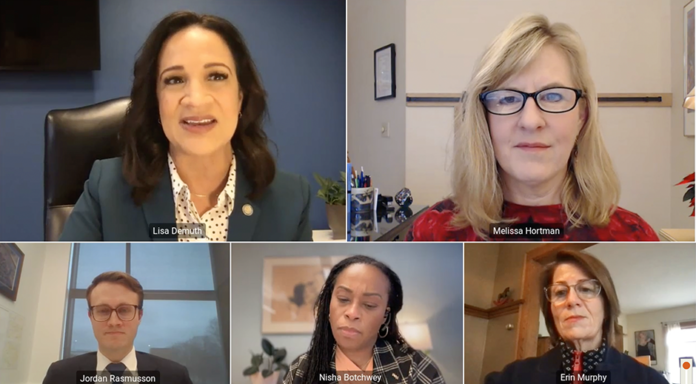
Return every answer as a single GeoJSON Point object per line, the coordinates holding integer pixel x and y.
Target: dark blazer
{"type": "Point", "coordinates": [65, 371]}
{"type": "Point", "coordinates": [623, 369]}
{"type": "Point", "coordinates": [105, 211]}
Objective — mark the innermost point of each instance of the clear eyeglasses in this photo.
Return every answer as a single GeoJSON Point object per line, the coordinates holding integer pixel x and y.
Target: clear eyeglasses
{"type": "Point", "coordinates": [124, 312]}
{"type": "Point", "coordinates": [585, 289]}
{"type": "Point", "coordinates": [551, 100]}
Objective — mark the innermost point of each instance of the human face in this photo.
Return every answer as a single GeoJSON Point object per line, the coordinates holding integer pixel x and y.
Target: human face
{"type": "Point", "coordinates": [358, 306]}
{"type": "Point", "coordinates": [114, 334]}
{"type": "Point", "coordinates": [532, 146]}
{"type": "Point", "coordinates": [198, 92]}
{"type": "Point", "coordinates": [577, 320]}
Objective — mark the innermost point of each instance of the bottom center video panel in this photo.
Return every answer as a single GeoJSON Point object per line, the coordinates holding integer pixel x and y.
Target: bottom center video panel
{"type": "Point", "coordinates": [357, 313]}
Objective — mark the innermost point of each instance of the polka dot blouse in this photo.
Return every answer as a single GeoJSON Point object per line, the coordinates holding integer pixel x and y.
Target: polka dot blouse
{"type": "Point", "coordinates": [215, 219]}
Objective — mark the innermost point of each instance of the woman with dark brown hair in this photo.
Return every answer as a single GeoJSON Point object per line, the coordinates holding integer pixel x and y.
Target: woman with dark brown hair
{"type": "Point", "coordinates": [581, 309]}
{"type": "Point", "coordinates": [194, 152]}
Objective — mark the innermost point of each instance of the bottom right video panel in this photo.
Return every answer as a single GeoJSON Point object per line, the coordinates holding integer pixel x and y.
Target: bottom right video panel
{"type": "Point", "coordinates": [591, 313]}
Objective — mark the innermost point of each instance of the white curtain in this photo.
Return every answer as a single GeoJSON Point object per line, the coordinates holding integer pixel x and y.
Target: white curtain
{"type": "Point", "coordinates": [672, 331]}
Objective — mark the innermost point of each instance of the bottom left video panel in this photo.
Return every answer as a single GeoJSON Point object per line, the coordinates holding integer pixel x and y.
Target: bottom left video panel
{"type": "Point", "coordinates": [114, 313]}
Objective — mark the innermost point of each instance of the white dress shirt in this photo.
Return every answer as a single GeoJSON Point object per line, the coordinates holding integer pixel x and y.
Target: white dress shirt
{"type": "Point", "coordinates": [216, 218]}
{"type": "Point", "coordinates": [130, 361]}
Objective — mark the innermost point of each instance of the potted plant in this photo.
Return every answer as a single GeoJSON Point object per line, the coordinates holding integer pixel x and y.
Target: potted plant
{"type": "Point", "coordinates": [334, 194]}
{"type": "Point", "coordinates": [266, 372]}
{"type": "Point", "coordinates": [689, 195]}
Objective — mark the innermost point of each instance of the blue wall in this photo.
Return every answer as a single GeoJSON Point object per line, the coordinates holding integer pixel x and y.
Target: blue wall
{"type": "Point", "coordinates": [298, 46]}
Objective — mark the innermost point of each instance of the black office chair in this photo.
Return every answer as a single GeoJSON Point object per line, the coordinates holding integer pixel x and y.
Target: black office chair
{"type": "Point", "coordinates": [74, 139]}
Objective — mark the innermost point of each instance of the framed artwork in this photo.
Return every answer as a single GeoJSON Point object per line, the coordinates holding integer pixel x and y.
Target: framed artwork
{"type": "Point", "coordinates": [385, 74]}
{"type": "Point", "coordinates": [291, 286]}
{"type": "Point", "coordinates": [11, 259]}
{"type": "Point", "coordinates": [645, 345]}
{"type": "Point", "coordinates": [688, 65]}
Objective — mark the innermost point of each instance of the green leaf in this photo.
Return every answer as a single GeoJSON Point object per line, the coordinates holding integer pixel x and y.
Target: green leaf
{"type": "Point", "coordinates": [332, 192]}
{"type": "Point", "coordinates": [267, 347]}
{"type": "Point", "coordinates": [266, 373]}
{"type": "Point", "coordinates": [257, 360]}
{"type": "Point", "coordinates": [250, 371]}
{"type": "Point", "coordinates": [279, 355]}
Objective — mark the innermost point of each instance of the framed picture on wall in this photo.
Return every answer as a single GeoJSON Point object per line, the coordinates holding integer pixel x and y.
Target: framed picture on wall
{"type": "Point", "coordinates": [645, 345]}
{"type": "Point", "coordinates": [688, 65]}
{"type": "Point", "coordinates": [385, 73]}
{"type": "Point", "coordinates": [11, 260]}
{"type": "Point", "coordinates": [291, 286]}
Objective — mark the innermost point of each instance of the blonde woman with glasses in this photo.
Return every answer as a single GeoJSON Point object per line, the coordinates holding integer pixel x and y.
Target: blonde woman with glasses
{"type": "Point", "coordinates": [528, 149]}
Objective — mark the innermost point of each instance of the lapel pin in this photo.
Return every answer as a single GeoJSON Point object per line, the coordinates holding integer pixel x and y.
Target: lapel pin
{"type": "Point", "coordinates": [248, 210]}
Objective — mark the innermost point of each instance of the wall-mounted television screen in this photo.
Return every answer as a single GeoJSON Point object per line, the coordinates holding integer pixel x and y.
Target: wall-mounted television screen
{"type": "Point", "coordinates": [49, 35]}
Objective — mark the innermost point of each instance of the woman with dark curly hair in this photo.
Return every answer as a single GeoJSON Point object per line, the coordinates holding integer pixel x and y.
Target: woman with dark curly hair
{"type": "Point", "coordinates": [356, 333]}
{"type": "Point", "coordinates": [194, 149]}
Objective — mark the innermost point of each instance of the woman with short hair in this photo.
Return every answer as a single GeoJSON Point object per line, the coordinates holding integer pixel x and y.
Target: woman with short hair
{"type": "Point", "coordinates": [581, 310]}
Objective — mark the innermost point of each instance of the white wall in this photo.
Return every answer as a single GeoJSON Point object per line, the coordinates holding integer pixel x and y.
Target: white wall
{"type": "Point", "coordinates": [682, 148]}
{"type": "Point", "coordinates": [26, 306]}
{"type": "Point", "coordinates": [431, 275]}
{"type": "Point", "coordinates": [623, 322]}
{"type": "Point", "coordinates": [51, 313]}
{"type": "Point", "coordinates": [652, 320]}
{"type": "Point", "coordinates": [628, 43]}
{"type": "Point", "coordinates": [372, 25]}
{"type": "Point", "coordinates": [40, 301]}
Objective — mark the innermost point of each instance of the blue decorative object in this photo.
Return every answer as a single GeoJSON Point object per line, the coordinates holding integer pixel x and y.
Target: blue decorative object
{"type": "Point", "coordinates": [404, 198]}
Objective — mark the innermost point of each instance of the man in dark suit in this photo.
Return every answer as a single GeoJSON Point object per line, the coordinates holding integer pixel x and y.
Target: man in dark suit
{"type": "Point", "coordinates": [115, 301]}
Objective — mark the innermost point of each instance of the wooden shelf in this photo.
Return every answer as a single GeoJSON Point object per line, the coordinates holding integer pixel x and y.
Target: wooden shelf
{"type": "Point", "coordinates": [492, 313]}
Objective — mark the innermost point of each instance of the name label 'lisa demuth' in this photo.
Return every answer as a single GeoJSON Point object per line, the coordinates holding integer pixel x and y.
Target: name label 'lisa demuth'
{"type": "Point", "coordinates": [177, 230]}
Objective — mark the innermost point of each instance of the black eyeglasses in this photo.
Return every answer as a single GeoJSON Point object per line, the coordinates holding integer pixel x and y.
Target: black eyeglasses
{"type": "Point", "coordinates": [585, 289]}
{"type": "Point", "coordinates": [551, 100]}
{"type": "Point", "coordinates": [125, 312]}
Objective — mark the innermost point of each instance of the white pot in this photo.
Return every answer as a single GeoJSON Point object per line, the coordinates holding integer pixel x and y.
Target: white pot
{"type": "Point", "coordinates": [257, 378]}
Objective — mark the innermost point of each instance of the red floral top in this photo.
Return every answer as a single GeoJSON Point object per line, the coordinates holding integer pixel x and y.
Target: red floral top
{"type": "Point", "coordinates": [434, 225]}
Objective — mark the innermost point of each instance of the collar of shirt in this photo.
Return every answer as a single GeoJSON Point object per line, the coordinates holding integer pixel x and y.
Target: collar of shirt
{"type": "Point", "coordinates": [178, 185]}
{"type": "Point", "coordinates": [130, 361]}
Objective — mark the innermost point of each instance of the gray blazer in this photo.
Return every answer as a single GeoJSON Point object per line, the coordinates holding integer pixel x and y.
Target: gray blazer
{"type": "Point", "coordinates": [106, 211]}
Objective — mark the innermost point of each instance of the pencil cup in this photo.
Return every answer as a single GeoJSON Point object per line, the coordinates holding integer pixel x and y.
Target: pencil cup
{"type": "Point", "coordinates": [361, 199]}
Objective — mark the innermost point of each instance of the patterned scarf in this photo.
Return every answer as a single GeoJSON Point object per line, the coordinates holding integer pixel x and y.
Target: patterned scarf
{"type": "Point", "coordinates": [590, 359]}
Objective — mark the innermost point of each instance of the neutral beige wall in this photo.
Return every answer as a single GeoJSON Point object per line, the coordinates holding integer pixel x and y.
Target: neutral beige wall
{"type": "Point", "coordinates": [682, 147]}
{"type": "Point", "coordinates": [372, 25]}
{"type": "Point", "coordinates": [628, 43]}
{"type": "Point", "coordinates": [475, 329]}
{"type": "Point", "coordinates": [511, 268]}
{"type": "Point", "coordinates": [500, 344]}
{"type": "Point", "coordinates": [652, 320]}
{"type": "Point", "coordinates": [480, 261]}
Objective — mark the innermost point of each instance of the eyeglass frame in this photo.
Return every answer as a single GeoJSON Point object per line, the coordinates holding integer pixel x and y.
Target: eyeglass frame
{"type": "Point", "coordinates": [578, 95]}
{"type": "Point", "coordinates": [91, 311]}
{"type": "Point", "coordinates": [575, 288]}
